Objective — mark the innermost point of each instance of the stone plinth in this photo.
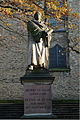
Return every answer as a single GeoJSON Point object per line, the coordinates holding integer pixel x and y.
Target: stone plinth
{"type": "Point", "coordinates": [37, 93]}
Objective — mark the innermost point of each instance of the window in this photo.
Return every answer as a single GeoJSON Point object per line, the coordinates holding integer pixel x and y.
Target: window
{"type": "Point", "coordinates": [57, 57]}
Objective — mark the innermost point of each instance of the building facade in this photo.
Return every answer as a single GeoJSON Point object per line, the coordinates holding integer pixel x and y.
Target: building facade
{"type": "Point", "coordinates": [63, 61]}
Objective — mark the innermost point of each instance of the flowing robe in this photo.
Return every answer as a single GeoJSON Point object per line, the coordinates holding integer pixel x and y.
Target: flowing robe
{"type": "Point", "coordinates": [41, 36]}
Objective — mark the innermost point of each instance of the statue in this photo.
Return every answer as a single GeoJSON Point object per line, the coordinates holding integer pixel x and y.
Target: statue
{"type": "Point", "coordinates": [41, 36]}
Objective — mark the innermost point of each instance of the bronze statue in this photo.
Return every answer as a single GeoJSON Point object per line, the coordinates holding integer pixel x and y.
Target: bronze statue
{"type": "Point", "coordinates": [41, 35]}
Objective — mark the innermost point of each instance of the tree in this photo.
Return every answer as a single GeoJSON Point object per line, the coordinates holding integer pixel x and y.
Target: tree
{"type": "Point", "coordinates": [23, 10]}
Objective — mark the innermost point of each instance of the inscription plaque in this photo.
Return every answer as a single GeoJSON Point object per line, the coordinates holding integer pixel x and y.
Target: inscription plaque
{"type": "Point", "coordinates": [37, 99]}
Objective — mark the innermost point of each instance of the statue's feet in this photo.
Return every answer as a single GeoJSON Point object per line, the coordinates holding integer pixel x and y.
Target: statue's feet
{"type": "Point", "coordinates": [30, 67]}
{"type": "Point", "coordinates": [35, 67]}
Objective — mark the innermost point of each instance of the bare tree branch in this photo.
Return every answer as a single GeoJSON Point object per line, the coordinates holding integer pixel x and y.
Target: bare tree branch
{"type": "Point", "coordinates": [73, 49]}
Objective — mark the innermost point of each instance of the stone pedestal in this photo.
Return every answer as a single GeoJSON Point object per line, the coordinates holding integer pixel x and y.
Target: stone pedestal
{"type": "Point", "coordinates": [37, 94]}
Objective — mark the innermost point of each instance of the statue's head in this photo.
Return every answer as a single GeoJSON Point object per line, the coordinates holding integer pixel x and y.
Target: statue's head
{"type": "Point", "coordinates": [38, 16]}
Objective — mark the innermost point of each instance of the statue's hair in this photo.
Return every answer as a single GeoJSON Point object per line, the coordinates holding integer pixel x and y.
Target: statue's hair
{"type": "Point", "coordinates": [37, 16]}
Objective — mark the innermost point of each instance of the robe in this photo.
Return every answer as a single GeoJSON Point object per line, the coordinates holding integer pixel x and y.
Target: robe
{"type": "Point", "coordinates": [41, 36]}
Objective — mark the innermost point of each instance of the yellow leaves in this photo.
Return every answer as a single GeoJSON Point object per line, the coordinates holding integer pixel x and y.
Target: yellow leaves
{"type": "Point", "coordinates": [48, 4]}
{"type": "Point", "coordinates": [57, 3]}
{"type": "Point", "coordinates": [46, 16]}
{"type": "Point", "coordinates": [58, 15]}
{"type": "Point", "coordinates": [70, 10]}
{"type": "Point", "coordinates": [19, 1]}
{"type": "Point", "coordinates": [75, 14]}
{"type": "Point", "coordinates": [29, 13]}
{"type": "Point", "coordinates": [54, 7]}
{"type": "Point", "coordinates": [0, 9]}
{"type": "Point", "coordinates": [63, 10]}
{"type": "Point", "coordinates": [51, 5]}
{"type": "Point", "coordinates": [65, 4]}
{"type": "Point", "coordinates": [7, 24]}
{"type": "Point", "coordinates": [70, 25]}
{"type": "Point", "coordinates": [42, 12]}
{"type": "Point", "coordinates": [6, 11]}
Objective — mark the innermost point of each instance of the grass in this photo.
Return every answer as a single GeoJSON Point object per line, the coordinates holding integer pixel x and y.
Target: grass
{"type": "Point", "coordinates": [59, 69]}
{"type": "Point", "coordinates": [21, 101]}
{"type": "Point", "coordinates": [66, 101]}
{"type": "Point", "coordinates": [11, 101]}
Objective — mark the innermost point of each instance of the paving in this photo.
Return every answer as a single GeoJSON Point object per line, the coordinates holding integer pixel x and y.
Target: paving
{"type": "Point", "coordinates": [61, 110]}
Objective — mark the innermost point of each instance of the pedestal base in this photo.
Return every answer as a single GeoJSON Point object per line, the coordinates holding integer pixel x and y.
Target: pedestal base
{"type": "Point", "coordinates": [45, 116]}
{"type": "Point", "coordinates": [37, 94]}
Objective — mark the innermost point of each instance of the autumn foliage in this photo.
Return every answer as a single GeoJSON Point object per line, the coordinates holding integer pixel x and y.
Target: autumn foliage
{"type": "Point", "coordinates": [24, 10]}
{"type": "Point", "coordinates": [48, 8]}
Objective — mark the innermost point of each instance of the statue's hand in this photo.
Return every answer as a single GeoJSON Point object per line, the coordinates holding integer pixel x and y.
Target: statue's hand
{"type": "Point", "coordinates": [50, 31]}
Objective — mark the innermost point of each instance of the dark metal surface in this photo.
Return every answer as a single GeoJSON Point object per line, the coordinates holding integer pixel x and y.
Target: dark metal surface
{"type": "Point", "coordinates": [37, 75]}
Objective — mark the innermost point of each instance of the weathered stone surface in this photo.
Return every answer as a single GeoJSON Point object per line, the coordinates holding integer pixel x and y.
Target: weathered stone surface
{"type": "Point", "coordinates": [59, 38]}
{"type": "Point", "coordinates": [11, 91]}
{"type": "Point", "coordinates": [37, 99]}
{"type": "Point", "coordinates": [14, 54]}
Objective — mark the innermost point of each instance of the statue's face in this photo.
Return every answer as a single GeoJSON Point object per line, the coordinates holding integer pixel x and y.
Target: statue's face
{"type": "Point", "coordinates": [38, 16]}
